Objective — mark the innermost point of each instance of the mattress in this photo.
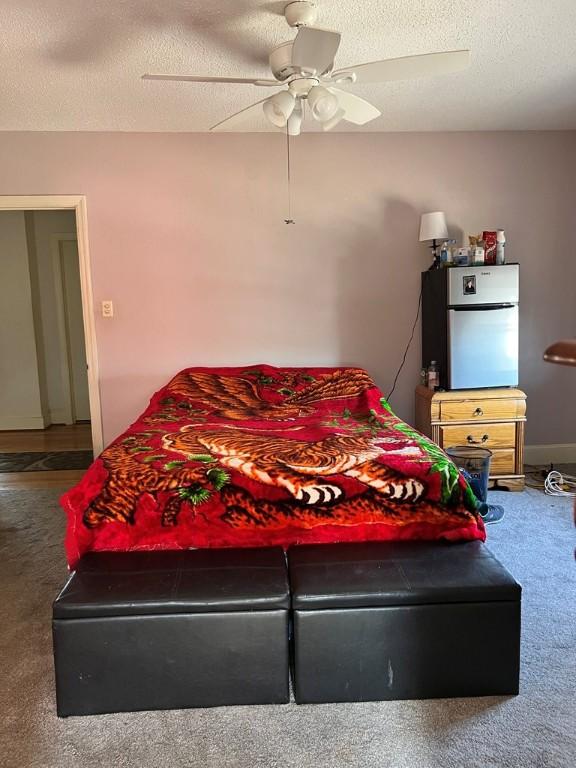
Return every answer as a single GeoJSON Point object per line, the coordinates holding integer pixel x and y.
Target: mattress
{"type": "Point", "coordinates": [260, 455]}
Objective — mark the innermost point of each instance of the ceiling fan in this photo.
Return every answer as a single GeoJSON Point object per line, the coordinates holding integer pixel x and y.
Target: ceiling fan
{"type": "Point", "coordinates": [306, 65]}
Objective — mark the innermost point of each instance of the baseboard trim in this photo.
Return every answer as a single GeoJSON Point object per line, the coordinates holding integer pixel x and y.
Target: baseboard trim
{"type": "Point", "coordinates": [59, 416]}
{"type": "Point", "coordinates": [25, 422]}
{"type": "Point", "coordinates": [556, 453]}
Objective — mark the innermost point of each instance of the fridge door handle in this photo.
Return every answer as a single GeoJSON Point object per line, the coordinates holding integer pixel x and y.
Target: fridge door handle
{"type": "Point", "coordinates": [481, 307]}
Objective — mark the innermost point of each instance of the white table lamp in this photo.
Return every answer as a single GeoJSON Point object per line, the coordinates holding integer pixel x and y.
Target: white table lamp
{"type": "Point", "coordinates": [433, 227]}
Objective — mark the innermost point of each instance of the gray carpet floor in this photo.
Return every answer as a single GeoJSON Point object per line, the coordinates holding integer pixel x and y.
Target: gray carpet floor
{"type": "Point", "coordinates": [536, 729]}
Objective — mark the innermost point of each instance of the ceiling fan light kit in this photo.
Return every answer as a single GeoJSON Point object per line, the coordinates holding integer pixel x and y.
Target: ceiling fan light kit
{"type": "Point", "coordinates": [322, 103]}
{"type": "Point", "coordinates": [279, 107]}
{"type": "Point", "coordinates": [327, 125]}
{"type": "Point", "coordinates": [306, 65]}
{"type": "Point", "coordinates": [294, 123]}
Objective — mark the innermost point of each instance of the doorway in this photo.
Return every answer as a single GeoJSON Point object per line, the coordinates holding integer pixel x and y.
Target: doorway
{"type": "Point", "coordinates": [74, 372]}
{"type": "Point", "coordinates": [50, 420]}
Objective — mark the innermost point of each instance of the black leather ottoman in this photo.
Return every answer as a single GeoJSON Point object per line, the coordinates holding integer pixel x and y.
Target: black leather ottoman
{"type": "Point", "coordinates": [402, 620]}
{"type": "Point", "coordinates": [165, 630]}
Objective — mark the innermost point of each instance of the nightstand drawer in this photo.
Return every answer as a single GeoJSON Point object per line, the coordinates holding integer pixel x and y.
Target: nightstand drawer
{"type": "Point", "coordinates": [487, 435]}
{"type": "Point", "coordinates": [482, 410]}
{"type": "Point", "coordinates": [503, 462]}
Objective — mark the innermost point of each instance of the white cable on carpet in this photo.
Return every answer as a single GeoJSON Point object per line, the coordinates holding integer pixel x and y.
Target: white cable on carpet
{"type": "Point", "coordinates": [557, 484]}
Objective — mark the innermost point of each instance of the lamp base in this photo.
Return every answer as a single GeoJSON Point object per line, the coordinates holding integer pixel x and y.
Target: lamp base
{"type": "Point", "coordinates": [436, 263]}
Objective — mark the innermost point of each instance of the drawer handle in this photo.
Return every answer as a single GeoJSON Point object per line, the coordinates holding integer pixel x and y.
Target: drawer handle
{"type": "Point", "coordinates": [477, 442]}
{"type": "Point", "coordinates": [478, 412]}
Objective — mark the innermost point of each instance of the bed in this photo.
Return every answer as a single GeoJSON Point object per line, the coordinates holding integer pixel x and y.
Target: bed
{"type": "Point", "coordinates": [259, 456]}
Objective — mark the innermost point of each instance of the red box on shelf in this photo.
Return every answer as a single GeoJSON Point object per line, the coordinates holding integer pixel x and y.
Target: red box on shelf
{"type": "Point", "coordinates": [490, 247]}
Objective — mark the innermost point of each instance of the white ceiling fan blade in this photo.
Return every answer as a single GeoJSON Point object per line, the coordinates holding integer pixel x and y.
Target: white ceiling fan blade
{"type": "Point", "coordinates": [406, 67]}
{"type": "Point", "coordinates": [356, 110]}
{"type": "Point", "coordinates": [314, 49]}
{"type": "Point", "coordinates": [195, 79]}
{"type": "Point", "coordinates": [236, 121]}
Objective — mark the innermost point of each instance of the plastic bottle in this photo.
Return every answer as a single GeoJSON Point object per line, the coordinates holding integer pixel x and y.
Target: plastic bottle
{"type": "Point", "coordinates": [423, 377]}
{"type": "Point", "coordinates": [479, 253]}
{"type": "Point", "coordinates": [433, 378]}
{"type": "Point", "coordinates": [500, 244]}
{"type": "Point", "coordinates": [444, 252]}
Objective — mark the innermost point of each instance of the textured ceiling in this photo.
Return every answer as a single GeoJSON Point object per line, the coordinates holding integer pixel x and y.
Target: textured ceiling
{"type": "Point", "coordinates": [76, 64]}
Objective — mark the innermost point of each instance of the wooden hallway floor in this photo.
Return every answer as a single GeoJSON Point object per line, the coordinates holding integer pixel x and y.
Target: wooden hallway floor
{"type": "Point", "coordinates": [73, 437]}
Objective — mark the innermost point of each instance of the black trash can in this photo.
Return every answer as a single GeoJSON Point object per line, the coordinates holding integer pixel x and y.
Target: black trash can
{"type": "Point", "coordinates": [475, 462]}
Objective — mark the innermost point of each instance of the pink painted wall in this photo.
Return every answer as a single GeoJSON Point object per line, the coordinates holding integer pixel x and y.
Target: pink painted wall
{"type": "Point", "coordinates": [187, 237]}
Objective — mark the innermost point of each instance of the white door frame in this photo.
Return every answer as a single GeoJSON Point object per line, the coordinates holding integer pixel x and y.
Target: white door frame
{"type": "Point", "coordinates": [76, 203]}
{"type": "Point", "coordinates": [65, 374]}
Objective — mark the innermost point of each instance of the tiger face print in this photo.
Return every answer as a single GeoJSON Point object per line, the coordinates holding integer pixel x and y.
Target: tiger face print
{"type": "Point", "coordinates": [298, 466]}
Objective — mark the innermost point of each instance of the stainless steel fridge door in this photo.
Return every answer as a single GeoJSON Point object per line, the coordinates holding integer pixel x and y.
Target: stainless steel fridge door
{"type": "Point", "coordinates": [483, 347]}
{"type": "Point", "coordinates": [483, 285]}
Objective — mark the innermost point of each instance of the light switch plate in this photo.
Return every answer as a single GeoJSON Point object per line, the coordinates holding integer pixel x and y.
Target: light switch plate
{"type": "Point", "coordinates": [107, 308]}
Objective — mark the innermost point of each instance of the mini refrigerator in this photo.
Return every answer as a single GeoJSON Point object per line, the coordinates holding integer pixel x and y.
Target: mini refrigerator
{"type": "Point", "coordinates": [470, 325]}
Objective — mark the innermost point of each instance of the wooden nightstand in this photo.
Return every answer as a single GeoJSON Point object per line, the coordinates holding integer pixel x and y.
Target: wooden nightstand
{"type": "Point", "coordinates": [491, 418]}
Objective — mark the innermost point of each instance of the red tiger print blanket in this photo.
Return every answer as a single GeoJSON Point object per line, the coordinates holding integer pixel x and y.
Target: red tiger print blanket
{"type": "Point", "coordinates": [259, 456]}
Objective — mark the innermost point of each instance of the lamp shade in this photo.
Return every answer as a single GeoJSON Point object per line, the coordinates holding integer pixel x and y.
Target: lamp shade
{"type": "Point", "coordinates": [279, 107]}
{"type": "Point", "coordinates": [433, 226]}
{"type": "Point", "coordinates": [322, 103]}
{"type": "Point", "coordinates": [327, 125]}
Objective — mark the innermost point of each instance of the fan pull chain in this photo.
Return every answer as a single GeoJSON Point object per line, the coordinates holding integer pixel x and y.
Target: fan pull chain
{"type": "Point", "coordinates": [289, 220]}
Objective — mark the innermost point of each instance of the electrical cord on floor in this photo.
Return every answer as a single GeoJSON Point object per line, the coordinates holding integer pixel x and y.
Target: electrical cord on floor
{"type": "Point", "coordinates": [550, 481]}
{"type": "Point", "coordinates": [557, 484]}
{"type": "Point", "coordinates": [388, 396]}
